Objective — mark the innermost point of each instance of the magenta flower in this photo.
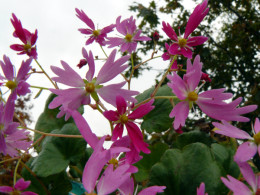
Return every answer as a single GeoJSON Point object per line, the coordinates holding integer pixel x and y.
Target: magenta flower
{"type": "Point", "coordinates": [122, 118]}
{"type": "Point", "coordinates": [17, 83]}
{"type": "Point", "coordinates": [11, 139]}
{"type": "Point", "coordinates": [201, 189]}
{"type": "Point", "coordinates": [73, 98]}
{"type": "Point", "coordinates": [246, 150]}
{"type": "Point", "coordinates": [20, 186]}
{"type": "Point", "coordinates": [97, 35]}
{"type": "Point", "coordinates": [131, 35]}
{"type": "Point", "coordinates": [167, 56]}
{"type": "Point", "coordinates": [113, 176]}
{"type": "Point", "coordinates": [127, 188]}
{"type": "Point", "coordinates": [211, 102]}
{"type": "Point", "coordinates": [29, 39]}
{"type": "Point", "coordinates": [184, 45]}
{"type": "Point", "coordinates": [238, 187]}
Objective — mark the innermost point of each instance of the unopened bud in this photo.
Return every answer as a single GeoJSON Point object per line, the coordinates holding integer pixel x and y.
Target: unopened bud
{"type": "Point", "coordinates": [156, 36]}
{"type": "Point", "coordinates": [205, 77]}
{"type": "Point", "coordinates": [82, 63]}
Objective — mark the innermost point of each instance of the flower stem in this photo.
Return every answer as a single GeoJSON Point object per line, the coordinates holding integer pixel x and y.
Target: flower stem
{"type": "Point", "coordinates": [164, 76]}
{"type": "Point", "coordinates": [54, 135]}
{"type": "Point", "coordinates": [56, 87]}
{"type": "Point", "coordinates": [103, 51]}
{"type": "Point", "coordinates": [15, 170]}
{"type": "Point", "coordinates": [132, 71]}
{"type": "Point", "coordinates": [37, 87]}
{"type": "Point", "coordinates": [137, 66]}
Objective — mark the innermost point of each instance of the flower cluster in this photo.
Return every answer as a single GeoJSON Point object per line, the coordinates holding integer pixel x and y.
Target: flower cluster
{"type": "Point", "coordinates": [111, 167]}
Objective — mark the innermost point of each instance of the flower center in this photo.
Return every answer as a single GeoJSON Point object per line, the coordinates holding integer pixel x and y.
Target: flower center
{"type": "Point", "coordinates": [11, 84]}
{"type": "Point", "coordinates": [1, 127]}
{"type": "Point", "coordinates": [123, 119]}
{"type": "Point", "coordinates": [90, 87]}
{"type": "Point", "coordinates": [257, 141]}
{"type": "Point", "coordinates": [27, 47]}
{"type": "Point", "coordinates": [92, 193]}
{"type": "Point", "coordinates": [128, 37]}
{"type": "Point", "coordinates": [182, 42]}
{"type": "Point", "coordinates": [192, 96]}
{"type": "Point", "coordinates": [96, 33]}
{"type": "Point", "coordinates": [15, 193]}
{"type": "Point", "coordinates": [113, 161]}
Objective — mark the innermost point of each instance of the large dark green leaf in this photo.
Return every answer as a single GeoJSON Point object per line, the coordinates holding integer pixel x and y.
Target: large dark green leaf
{"type": "Point", "coordinates": [58, 152]}
{"type": "Point", "coordinates": [144, 166]}
{"type": "Point", "coordinates": [182, 171]}
{"type": "Point", "coordinates": [158, 119]}
{"type": "Point", "coordinates": [53, 184]}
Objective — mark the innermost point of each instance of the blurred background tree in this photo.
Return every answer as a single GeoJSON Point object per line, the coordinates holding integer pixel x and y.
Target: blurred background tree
{"type": "Point", "coordinates": [230, 56]}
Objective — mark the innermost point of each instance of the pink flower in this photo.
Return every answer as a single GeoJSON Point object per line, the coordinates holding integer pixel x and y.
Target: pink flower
{"type": "Point", "coordinates": [73, 98]}
{"type": "Point", "coordinates": [113, 175]}
{"type": "Point", "coordinates": [238, 187]}
{"type": "Point", "coordinates": [201, 189]}
{"type": "Point", "coordinates": [20, 186]}
{"type": "Point", "coordinates": [29, 39]}
{"type": "Point", "coordinates": [122, 118]}
{"type": "Point", "coordinates": [184, 45]}
{"type": "Point", "coordinates": [127, 188]}
{"type": "Point", "coordinates": [11, 139]}
{"type": "Point", "coordinates": [246, 150]}
{"type": "Point", "coordinates": [168, 56]}
{"type": "Point", "coordinates": [131, 35]}
{"type": "Point", "coordinates": [17, 83]}
{"type": "Point", "coordinates": [97, 35]}
{"type": "Point", "coordinates": [211, 102]}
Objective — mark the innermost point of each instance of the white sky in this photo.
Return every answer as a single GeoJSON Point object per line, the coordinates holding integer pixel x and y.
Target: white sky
{"type": "Point", "coordinates": [59, 39]}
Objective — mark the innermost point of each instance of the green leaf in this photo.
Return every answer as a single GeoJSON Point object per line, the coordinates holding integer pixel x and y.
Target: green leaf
{"type": "Point", "coordinates": [58, 152]}
{"type": "Point", "coordinates": [158, 119]}
{"type": "Point", "coordinates": [48, 122]}
{"type": "Point", "coordinates": [149, 160]}
{"type": "Point", "coordinates": [53, 184]}
{"type": "Point", "coordinates": [192, 137]}
{"type": "Point", "coordinates": [182, 171]}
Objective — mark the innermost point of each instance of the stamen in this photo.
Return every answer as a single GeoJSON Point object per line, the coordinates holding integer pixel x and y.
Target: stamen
{"type": "Point", "coordinates": [90, 87]}
{"type": "Point", "coordinates": [192, 96]}
{"type": "Point", "coordinates": [128, 37]}
{"type": "Point", "coordinates": [27, 47]}
{"type": "Point", "coordinates": [257, 138]}
{"type": "Point", "coordinates": [182, 42]}
{"type": "Point", "coordinates": [123, 119]}
{"type": "Point", "coordinates": [96, 33]}
{"type": "Point", "coordinates": [11, 84]}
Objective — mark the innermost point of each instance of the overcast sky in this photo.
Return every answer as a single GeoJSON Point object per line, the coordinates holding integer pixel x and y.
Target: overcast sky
{"type": "Point", "coordinates": [59, 39]}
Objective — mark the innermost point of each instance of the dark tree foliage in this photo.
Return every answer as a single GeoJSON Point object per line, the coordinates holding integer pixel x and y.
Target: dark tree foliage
{"type": "Point", "coordinates": [231, 55]}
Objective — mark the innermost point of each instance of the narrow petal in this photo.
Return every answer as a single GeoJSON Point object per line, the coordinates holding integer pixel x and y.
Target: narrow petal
{"type": "Point", "coordinates": [117, 132]}
{"type": "Point", "coordinates": [21, 184]}
{"type": "Point", "coordinates": [249, 175]}
{"type": "Point", "coordinates": [198, 40]}
{"type": "Point", "coordinates": [84, 129]}
{"type": "Point", "coordinates": [137, 137]}
{"type": "Point", "coordinates": [24, 69]}
{"type": "Point", "coordinates": [7, 68]}
{"type": "Point", "coordinates": [153, 190]}
{"type": "Point", "coordinates": [111, 115]}
{"type": "Point", "coordinates": [91, 64]}
{"type": "Point", "coordinates": [196, 17]}
{"type": "Point", "coordinates": [257, 126]}
{"type": "Point", "coordinates": [236, 186]}
{"type": "Point", "coordinates": [6, 189]}
{"type": "Point", "coordinates": [231, 131]}
{"type": "Point", "coordinates": [178, 86]}
{"type": "Point", "coordinates": [142, 110]}
{"type": "Point", "coordinates": [180, 112]}
{"type": "Point", "coordinates": [245, 152]}
{"type": "Point", "coordinates": [169, 31]}
{"type": "Point", "coordinates": [84, 18]}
